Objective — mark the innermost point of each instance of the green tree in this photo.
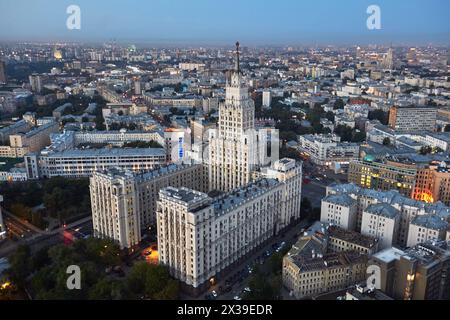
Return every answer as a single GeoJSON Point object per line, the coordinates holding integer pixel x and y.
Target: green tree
{"type": "Point", "coordinates": [386, 141]}
{"type": "Point", "coordinates": [20, 266]}
{"type": "Point", "coordinates": [262, 287]}
{"type": "Point", "coordinates": [55, 202]}
{"type": "Point", "coordinates": [338, 104]}
{"type": "Point", "coordinates": [21, 211]}
{"type": "Point", "coordinates": [151, 281]}
{"type": "Point", "coordinates": [358, 136]}
{"type": "Point", "coordinates": [379, 115]}
{"type": "Point", "coordinates": [107, 289]}
{"type": "Point", "coordinates": [425, 150]}
{"type": "Point", "coordinates": [345, 132]}
{"type": "Point", "coordinates": [275, 263]}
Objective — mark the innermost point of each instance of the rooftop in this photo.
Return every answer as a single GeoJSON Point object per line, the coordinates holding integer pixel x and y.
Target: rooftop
{"type": "Point", "coordinates": [107, 152]}
{"type": "Point", "coordinates": [383, 209]}
{"type": "Point", "coordinates": [431, 222]}
{"type": "Point", "coordinates": [328, 261]}
{"type": "Point", "coordinates": [185, 195]}
{"type": "Point", "coordinates": [340, 199]}
{"type": "Point", "coordinates": [388, 255]}
{"type": "Point", "coordinates": [391, 197]}
{"type": "Point", "coordinates": [352, 236]}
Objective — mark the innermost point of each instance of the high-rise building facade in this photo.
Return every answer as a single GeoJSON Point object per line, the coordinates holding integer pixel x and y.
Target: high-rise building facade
{"type": "Point", "coordinates": [200, 237]}
{"type": "Point", "coordinates": [235, 148]}
{"type": "Point", "coordinates": [266, 99]}
{"type": "Point", "coordinates": [429, 182]}
{"type": "Point", "coordinates": [413, 118]}
{"type": "Point", "coordinates": [124, 203]}
{"type": "Point", "coordinates": [36, 83]}
{"type": "Point", "coordinates": [383, 176]}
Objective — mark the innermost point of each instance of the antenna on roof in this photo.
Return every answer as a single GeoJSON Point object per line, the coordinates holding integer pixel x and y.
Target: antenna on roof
{"type": "Point", "coordinates": [237, 66]}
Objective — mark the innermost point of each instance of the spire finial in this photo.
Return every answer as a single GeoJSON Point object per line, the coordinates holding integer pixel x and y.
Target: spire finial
{"type": "Point", "coordinates": [237, 66]}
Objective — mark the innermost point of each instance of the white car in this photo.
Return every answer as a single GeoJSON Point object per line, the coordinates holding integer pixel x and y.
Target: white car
{"type": "Point", "coordinates": [214, 293]}
{"type": "Point", "coordinates": [237, 298]}
{"type": "Point", "coordinates": [247, 289]}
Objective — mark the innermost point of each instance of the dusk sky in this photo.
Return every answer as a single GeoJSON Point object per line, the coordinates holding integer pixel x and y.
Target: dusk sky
{"type": "Point", "coordinates": [253, 22]}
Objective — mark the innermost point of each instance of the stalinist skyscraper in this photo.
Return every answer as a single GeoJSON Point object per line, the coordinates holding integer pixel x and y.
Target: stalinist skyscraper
{"type": "Point", "coordinates": [235, 148]}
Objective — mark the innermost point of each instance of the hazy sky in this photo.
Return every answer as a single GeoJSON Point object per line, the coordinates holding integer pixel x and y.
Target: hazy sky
{"type": "Point", "coordinates": [253, 22]}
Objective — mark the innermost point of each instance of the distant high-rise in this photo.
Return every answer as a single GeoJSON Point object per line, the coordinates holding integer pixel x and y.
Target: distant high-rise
{"type": "Point", "coordinates": [35, 83]}
{"type": "Point", "coordinates": [358, 53]}
{"type": "Point", "coordinates": [3, 78]}
{"type": "Point", "coordinates": [411, 56]}
{"type": "Point", "coordinates": [388, 60]}
{"type": "Point", "coordinates": [137, 87]}
{"type": "Point", "coordinates": [266, 99]}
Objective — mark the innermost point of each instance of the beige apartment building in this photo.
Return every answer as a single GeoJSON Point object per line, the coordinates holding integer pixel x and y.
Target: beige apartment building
{"type": "Point", "coordinates": [200, 237]}
{"type": "Point", "coordinates": [32, 141]}
{"type": "Point", "coordinates": [381, 221]}
{"type": "Point", "coordinates": [427, 228]}
{"type": "Point", "coordinates": [121, 199]}
{"type": "Point", "coordinates": [340, 210]}
{"type": "Point", "coordinates": [326, 258]}
{"type": "Point", "coordinates": [309, 276]}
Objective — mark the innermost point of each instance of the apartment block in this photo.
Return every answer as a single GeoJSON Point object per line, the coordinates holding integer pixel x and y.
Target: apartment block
{"type": "Point", "coordinates": [121, 199]}
{"type": "Point", "coordinates": [381, 221]}
{"type": "Point", "coordinates": [408, 208]}
{"type": "Point", "coordinates": [413, 118]}
{"type": "Point", "coordinates": [418, 273]}
{"type": "Point", "coordinates": [326, 149]}
{"type": "Point", "coordinates": [200, 237]}
{"type": "Point", "coordinates": [339, 210]}
{"type": "Point", "coordinates": [427, 228]}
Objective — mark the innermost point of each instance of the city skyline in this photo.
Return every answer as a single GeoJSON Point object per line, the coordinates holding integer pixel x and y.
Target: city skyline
{"type": "Point", "coordinates": [233, 151]}
{"type": "Point", "coordinates": [254, 23]}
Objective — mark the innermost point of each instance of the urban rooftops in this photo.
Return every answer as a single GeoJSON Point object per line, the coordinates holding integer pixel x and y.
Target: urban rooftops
{"type": "Point", "coordinates": [383, 209]}
{"type": "Point", "coordinates": [352, 236]}
{"type": "Point", "coordinates": [431, 222]}
{"type": "Point", "coordinates": [340, 199]}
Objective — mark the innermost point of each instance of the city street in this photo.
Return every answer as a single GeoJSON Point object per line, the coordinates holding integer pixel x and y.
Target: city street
{"type": "Point", "coordinates": [38, 240]}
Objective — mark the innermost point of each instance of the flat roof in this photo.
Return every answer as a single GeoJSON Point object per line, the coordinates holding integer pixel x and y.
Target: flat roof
{"type": "Point", "coordinates": [104, 152]}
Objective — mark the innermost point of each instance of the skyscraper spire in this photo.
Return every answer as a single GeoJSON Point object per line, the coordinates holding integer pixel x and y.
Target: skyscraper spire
{"type": "Point", "coordinates": [237, 66]}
